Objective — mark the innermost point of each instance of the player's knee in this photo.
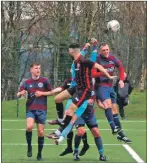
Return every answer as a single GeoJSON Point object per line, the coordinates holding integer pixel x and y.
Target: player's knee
{"type": "Point", "coordinates": [80, 131]}
{"type": "Point", "coordinates": [114, 109]}
{"type": "Point", "coordinates": [107, 103]}
{"type": "Point", "coordinates": [40, 132]}
{"type": "Point", "coordinates": [95, 132]}
{"type": "Point", "coordinates": [100, 104]}
{"type": "Point", "coordinates": [57, 99]}
{"type": "Point", "coordinates": [29, 127]}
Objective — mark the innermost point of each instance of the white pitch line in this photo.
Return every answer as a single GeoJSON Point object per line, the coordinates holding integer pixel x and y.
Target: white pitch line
{"type": "Point", "coordinates": [99, 120]}
{"type": "Point", "coordinates": [17, 144]}
{"type": "Point", "coordinates": [133, 153]}
{"type": "Point", "coordinates": [11, 129]}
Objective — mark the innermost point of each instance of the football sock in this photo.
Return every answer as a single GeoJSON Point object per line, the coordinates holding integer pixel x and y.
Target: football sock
{"type": "Point", "coordinates": [66, 131]}
{"type": "Point", "coordinates": [116, 120]}
{"type": "Point", "coordinates": [109, 116]}
{"type": "Point", "coordinates": [60, 110]}
{"type": "Point", "coordinates": [29, 138]}
{"type": "Point", "coordinates": [117, 123]}
{"type": "Point", "coordinates": [40, 144]}
{"type": "Point", "coordinates": [84, 138]}
{"type": "Point", "coordinates": [69, 140]}
{"type": "Point", "coordinates": [65, 122]}
{"type": "Point", "coordinates": [99, 145]}
{"type": "Point", "coordinates": [77, 142]}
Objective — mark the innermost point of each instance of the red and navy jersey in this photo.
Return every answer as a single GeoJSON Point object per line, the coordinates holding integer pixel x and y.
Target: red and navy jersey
{"type": "Point", "coordinates": [31, 86]}
{"type": "Point", "coordinates": [110, 64]}
{"type": "Point", "coordinates": [66, 84]}
{"type": "Point", "coordinates": [83, 76]}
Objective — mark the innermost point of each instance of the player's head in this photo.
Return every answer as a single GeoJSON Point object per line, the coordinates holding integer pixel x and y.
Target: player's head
{"type": "Point", "coordinates": [74, 49]}
{"type": "Point", "coordinates": [104, 49]}
{"type": "Point", "coordinates": [35, 69]}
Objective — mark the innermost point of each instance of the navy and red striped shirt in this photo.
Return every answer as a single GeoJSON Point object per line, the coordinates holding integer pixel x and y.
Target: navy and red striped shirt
{"type": "Point", "coordinates": [109, 63]}
{"type": "Point", "coordinates": [31, 86]}
{"type": "Point", "coordinates": [83, 76]}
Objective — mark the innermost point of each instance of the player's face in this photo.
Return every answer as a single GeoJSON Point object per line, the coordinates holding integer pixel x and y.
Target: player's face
{"type": "Point", "coordinates": [104, 50]}
{"type": "Point", "coordinates": [36, 70]}
{"type": "Point", "coordinates": [71, 51]}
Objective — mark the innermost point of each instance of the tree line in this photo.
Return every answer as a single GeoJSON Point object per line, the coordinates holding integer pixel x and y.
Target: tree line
{"type": "Point", "coordinates": [42, 31]}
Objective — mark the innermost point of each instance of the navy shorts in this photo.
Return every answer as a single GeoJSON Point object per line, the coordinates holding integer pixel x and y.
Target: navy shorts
{"type": "Point", "coordinates": [79, 122]}
{"type": "Point", "coordinates": [38, 115]}
{"type": "Point", "coordinates": [90, 119]}
{"type": "Point", "coordinates": [103, 93]}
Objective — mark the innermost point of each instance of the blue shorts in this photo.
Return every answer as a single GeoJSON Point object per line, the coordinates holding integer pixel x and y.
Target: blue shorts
{"type": "Point", "coordinates": [79, 122]}
{"type": "Point", "coordinates": [38, 115]}
{"type": "Point", "coordinates": [103, 93]}
{"type": "Point", "coordinates": [89, 117]}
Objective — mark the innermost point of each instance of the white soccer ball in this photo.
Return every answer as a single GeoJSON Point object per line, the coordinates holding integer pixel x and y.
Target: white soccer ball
{"type": "Point", "coordinates": [113, 25]}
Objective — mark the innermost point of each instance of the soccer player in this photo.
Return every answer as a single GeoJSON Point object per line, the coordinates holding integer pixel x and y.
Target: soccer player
{"type": "Point", "coordinates": [90, 119]}
{"type": "Point", "coordinates": [83, 90]}
{"type": "Point", "coordinates": [36, 107]}
{"type": "Point", "coordinates": [104, 88]}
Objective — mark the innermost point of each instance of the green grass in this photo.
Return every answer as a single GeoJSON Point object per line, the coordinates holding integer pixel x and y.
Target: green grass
{"type": "Point", "coordinates": [135, 110]}
{"type": "Point", "coordinates": [115, 153]}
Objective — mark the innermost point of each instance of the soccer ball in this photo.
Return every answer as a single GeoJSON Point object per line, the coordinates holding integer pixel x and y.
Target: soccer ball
{"type": "Point", "coordinates": [113, 25]}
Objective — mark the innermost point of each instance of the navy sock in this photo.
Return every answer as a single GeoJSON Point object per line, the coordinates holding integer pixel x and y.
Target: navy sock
{"type": "Point", "coordinates": [69, 140]}
{"type": "Point", "coordinates": [117, 121]}
{"type": "Point", "coordinates": [84, 138]}
{"type": "Point", "coordinates": [40, 144]}
{"type": "Point", "coordinates": [29, 138]}
{"type": "Point", "coordinates": [60, 109]}
{"type": "Point", "coordinates": [77, 142]}
{"type": "Point", "coordinates": [99, 145]}
{"type": "Point", "coordinates": [109, 115]}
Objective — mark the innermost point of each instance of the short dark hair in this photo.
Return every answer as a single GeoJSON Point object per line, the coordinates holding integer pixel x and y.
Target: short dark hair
{"type": "Point", "coordinates": [74, 46]}
{"type": "Point", "coordinates": [34, 64]}
{"type": "Point", "coordinates": [103, 44]}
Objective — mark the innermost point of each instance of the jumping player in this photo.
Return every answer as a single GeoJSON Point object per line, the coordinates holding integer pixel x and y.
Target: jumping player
{"type": "Point", "coordinates": [104, 88]}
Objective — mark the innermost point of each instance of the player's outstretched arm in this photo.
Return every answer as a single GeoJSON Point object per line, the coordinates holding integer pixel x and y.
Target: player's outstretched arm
{"type": "Point", "coordinates": [99, 67]}
{"type": "Point", "coordinates": [48, 93]}
{"type": "Point", "coordinates": [84, 49]}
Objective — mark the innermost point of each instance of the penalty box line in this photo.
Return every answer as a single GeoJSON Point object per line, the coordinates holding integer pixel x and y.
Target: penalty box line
{"type": "Point", "coordinates": [133, 154]}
